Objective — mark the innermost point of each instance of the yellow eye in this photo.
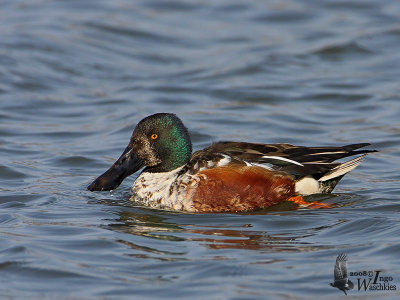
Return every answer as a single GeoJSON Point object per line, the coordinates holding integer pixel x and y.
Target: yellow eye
{"type": "Point", "coordinates": [154, 136]}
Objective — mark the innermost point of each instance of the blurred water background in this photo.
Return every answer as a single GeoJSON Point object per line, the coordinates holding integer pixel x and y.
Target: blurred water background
{"type": "Point", "coordinates": [76, 77]}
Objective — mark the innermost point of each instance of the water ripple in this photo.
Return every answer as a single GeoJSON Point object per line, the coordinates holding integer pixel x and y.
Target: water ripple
{"type": "Point", "coordinates": [76, 77]}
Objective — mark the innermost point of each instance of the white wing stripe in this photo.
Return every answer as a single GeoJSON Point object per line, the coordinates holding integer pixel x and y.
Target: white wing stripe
{"type": "Point", "coordinates": [322, 153]}
{"type": "Point", "coordinates": [283, 159]}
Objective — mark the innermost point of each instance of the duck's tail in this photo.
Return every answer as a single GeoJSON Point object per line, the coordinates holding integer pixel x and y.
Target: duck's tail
{"type": "Point", "coordinates": [328, 182]}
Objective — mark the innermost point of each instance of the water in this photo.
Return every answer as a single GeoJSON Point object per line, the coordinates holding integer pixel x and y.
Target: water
{"type": "Point", "coordinates": [75, 78]}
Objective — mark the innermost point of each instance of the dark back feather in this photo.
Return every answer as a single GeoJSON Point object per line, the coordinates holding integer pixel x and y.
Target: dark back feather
{"type": "Point", "coordinates": [315, 161]}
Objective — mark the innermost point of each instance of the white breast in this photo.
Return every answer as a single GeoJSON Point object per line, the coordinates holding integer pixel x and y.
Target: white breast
{"type": "Point", "coordinates": [161, 190]}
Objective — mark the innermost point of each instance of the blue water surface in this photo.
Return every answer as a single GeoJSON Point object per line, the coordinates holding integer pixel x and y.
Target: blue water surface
{"type": "Point", "coordinates": [76, 77]}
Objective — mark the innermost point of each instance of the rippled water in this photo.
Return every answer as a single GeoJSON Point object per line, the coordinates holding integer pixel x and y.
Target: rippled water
{"type": "Point", "coordinates": [75, 78]}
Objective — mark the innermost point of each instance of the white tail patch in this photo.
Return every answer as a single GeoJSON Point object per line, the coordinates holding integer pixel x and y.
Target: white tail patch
{"type": "Point", "coordinates": [343, 168]}
{"type": "Point", "coordinates": [307, 186]}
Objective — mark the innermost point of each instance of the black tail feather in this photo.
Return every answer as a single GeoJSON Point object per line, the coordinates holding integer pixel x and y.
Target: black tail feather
{"type": "Point", "coordinates": [325, 154]}
{"type": "Point", "coordinates": [350, 149]}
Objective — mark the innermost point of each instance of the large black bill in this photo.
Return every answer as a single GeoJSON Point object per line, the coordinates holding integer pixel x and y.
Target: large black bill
{"type": "Point", "coordinates": [126, 165]}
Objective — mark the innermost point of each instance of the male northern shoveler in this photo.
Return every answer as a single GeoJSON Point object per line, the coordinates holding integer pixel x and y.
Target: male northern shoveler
{"type": "Point", "coordinates": [226, 176]}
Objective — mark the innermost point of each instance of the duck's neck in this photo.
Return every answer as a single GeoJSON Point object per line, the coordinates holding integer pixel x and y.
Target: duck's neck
{"type": "Point", "coordinates": [173, 157]}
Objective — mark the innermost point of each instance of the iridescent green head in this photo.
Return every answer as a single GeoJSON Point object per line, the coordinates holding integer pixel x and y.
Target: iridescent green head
{"type": "Point", "coordinates": [160, 142]}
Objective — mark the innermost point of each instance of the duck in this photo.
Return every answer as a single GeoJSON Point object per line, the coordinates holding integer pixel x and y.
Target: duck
{"type": "Point", "coordinates": [227, 176]}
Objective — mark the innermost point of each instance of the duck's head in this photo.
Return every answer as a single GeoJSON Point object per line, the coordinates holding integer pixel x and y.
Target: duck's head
{"type": "Point", "coordinates": [160, 142]}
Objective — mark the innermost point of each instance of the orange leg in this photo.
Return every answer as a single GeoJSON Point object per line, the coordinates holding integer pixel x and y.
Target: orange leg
{"type": "Point", "coordinates": [299, 200]}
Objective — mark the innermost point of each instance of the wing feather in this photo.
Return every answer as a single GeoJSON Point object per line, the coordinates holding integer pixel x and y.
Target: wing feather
{"type": "Point", "coordinates": [340, 271]}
